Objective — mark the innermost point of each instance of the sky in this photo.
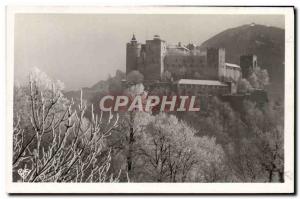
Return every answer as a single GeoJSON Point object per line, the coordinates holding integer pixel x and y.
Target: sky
{"type": "Point", "coordinates": [82, 49]}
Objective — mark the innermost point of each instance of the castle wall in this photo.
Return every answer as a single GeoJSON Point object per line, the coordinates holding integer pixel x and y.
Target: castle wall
{"type": "Point", "coordinates": [185, 66]}
{"type": "Point", "coordinates": [232, 72]}
{"type": "Point", "coordinates": [221, 66]}
{"type": "Point", "coordinates": [141, 60]}
{"type": "Point", "coordinates": [202, 87]}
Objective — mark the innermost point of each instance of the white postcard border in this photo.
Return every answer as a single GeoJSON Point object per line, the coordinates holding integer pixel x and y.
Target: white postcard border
{"type": "Point", "coordinates": [286, 187]}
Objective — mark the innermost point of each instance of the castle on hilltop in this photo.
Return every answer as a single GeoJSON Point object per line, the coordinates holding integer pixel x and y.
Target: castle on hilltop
{"type": "Point", "coordinates": [205, 70]}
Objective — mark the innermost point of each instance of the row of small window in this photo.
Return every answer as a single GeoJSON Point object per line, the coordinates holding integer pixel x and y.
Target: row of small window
{"type": "Point", "coordinates": [202, 86]}
{"type": "Point", "coordinates": [187, 61]}
{"type": "Point", "coordinates": [204, 91]}
{"type": "Point", "coordinates": [232, 69]}
{"type": "Point", "coordinates": [186, 65]}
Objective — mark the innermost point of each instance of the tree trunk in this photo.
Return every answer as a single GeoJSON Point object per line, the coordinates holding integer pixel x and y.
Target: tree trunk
{"type": "Point", "coordinates": [130, 146]}
{"type": "Point", "coordinates": [281, 176]}
{"type": "Point", "coordinates": [129, 156]}
{"type": "Point", "coordinates": [270, 175]}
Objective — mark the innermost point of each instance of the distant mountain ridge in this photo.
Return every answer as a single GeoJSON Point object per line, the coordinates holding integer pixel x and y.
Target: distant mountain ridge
{"type": "Point", "coordinates": [266, 42]}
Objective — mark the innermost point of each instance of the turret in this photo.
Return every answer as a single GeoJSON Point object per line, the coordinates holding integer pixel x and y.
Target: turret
{"type": "Point", "coordinates": [133, 49]}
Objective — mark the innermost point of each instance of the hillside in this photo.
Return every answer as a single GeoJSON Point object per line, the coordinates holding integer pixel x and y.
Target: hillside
{"type": "Point", "coordinates": [93, 94]}
{"type": "Point", "coordinates": [264, 41]}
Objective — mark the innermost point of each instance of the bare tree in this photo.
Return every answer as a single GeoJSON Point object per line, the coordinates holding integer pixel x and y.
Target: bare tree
{"type": "Point", "coordinates": [64, 146]}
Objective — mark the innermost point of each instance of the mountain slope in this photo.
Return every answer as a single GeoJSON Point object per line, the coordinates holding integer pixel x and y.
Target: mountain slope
{"type": "Point", "coordinates": [264, 41]}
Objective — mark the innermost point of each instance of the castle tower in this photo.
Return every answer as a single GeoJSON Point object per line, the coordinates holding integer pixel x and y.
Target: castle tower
{"type": "Point", "coordinates": [133, 49]}
{"type": "Point", "coordinates": [154, 61]}
{"type": "Point", "coordinates": [215, 58]}
{"type": "Point", "coordinates": [248, 64]}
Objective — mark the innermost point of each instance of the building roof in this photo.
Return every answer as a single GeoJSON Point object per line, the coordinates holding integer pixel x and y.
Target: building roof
{"type": "Point", "coordinates": [177, 47]}
{"type": "Point", "coordinates": [201, 82]}
{"type": "Point", "coordinates": [232, 65]}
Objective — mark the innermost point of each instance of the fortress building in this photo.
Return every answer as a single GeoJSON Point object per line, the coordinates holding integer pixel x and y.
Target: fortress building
{"type": "Point", "coordinates": [188, 65]}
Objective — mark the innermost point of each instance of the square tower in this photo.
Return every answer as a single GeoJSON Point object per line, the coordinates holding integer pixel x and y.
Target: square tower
{"type": "Point", "coordinates": [133, 49]}
{"type": "Point", "coordinates": [215, 58]}
{"type": "Point", "coordinates": [154, 60]}
{"type": "Point", "coordinates": [248, 64]}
